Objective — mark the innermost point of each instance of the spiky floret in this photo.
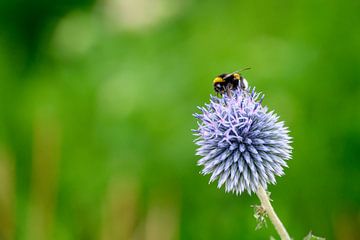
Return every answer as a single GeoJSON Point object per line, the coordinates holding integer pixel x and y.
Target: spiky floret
{"type": "Point", "coordinates": [241, 143]}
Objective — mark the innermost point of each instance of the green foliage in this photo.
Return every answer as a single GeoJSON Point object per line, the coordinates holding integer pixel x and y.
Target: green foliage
{"type": "Point", "coordinates": [96, 108]}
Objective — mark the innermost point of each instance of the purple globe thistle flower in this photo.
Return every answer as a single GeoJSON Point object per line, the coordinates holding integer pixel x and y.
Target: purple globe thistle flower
{"type": "Point", "coordinates": [241, 143]}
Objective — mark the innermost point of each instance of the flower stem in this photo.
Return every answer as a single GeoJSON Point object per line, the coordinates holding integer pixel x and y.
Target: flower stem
{"type": "Point", "coordinates": [265, 203]}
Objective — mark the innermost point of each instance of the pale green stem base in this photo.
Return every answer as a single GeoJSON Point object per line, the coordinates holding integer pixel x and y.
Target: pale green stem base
{"type": "Point", "coordinates": [265, 203]}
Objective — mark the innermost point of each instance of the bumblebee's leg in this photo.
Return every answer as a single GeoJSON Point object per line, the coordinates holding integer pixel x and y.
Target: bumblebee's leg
{"type": "Point", "coordinates": [228, 90]}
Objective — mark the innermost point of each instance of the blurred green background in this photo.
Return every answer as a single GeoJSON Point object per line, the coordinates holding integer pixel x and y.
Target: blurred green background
{"type": "Point", "coordinates": [96, 103]}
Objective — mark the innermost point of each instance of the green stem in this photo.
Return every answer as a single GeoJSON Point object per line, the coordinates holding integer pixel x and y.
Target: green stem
{"type": "Point", "coordinates": [265, 203]}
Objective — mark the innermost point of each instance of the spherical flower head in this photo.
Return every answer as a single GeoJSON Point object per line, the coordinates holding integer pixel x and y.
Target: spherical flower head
{"type": "Point", "coordinates": [241, 143]}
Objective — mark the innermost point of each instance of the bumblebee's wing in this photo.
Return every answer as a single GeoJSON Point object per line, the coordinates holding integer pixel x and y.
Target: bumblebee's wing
{"type": "Point", "coordinates": [237, 71]}
{"type": "Point", "coordinates": [228, 75]}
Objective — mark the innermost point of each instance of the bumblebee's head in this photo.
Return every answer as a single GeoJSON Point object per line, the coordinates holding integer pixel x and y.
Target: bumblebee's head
{"type": "Point", "coordinates": [219, 84]}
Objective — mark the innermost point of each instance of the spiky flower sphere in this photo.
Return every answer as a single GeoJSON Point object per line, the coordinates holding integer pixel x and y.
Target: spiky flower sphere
{"type": "Point", "coordinates": [242, 144]}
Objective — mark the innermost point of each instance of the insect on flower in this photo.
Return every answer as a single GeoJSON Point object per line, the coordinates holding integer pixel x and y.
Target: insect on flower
{"type": "Point", "coordinates": [230, 81]}
{"type": "Point", "coordinates": [242, 144]}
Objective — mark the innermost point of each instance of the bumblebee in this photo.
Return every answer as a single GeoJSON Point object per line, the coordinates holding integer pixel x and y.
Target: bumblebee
{"type": "Point", "coordinates": [225, 82]}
